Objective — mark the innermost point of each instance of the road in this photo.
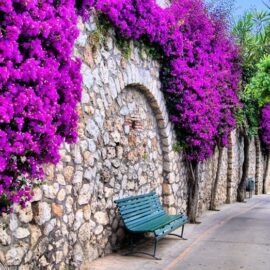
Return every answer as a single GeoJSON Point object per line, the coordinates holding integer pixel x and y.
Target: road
{"type": "Point", "coordinates": [237, 237]}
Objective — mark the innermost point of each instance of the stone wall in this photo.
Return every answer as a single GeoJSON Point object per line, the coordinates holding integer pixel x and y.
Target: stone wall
{"type": "Point", "coordinates": [125, 147]}
{"type": "Point", "coordinates": [208, 172]}
{"type": "Point", "coordinates": [236, 160]}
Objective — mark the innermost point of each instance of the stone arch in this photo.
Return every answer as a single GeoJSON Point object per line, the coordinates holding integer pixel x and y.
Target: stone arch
{"type": "Point", "coordinates": [142, 79]}
{"type": "Point", "coordinates": [156, 102]}
{"type": "Point", "coordinates": [141, 72]}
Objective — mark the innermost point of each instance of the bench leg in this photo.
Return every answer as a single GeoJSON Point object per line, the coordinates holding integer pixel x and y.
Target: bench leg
{"type": "Point", "coordinates": [155, 248]}
{"type": "Point", "coordinates": [132, 251]}
{"type": "Point", "coordinates": [131, 244]}
{"type": "Point", "coordinates": [180, 236]}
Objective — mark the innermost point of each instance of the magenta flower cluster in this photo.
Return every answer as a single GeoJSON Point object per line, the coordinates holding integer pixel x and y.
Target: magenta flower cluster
{"type": "Point", "coordinates": [265, 126]}
{"type": "Point", "coordinates": [40, 86]}
{"type": "Point", "coordinates": [40, 82]}
{"type": "Point", "coordinates": [200, 72]}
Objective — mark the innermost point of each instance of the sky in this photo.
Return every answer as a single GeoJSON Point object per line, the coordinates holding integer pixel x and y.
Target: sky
{"type": "Point", "coordinates": [242, 5]}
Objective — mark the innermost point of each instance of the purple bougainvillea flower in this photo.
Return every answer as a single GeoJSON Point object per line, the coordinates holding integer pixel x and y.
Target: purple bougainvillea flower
{"type": "Point", "coordinates": [40, 81]}
{"type": "Point", "coordinates": [201, 70]}
{"type": "Point", "coordinates": [265, 126]}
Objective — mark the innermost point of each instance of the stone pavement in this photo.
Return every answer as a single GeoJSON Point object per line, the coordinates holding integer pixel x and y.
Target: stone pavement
{"type": "Point", "coordinates": [237, 237]}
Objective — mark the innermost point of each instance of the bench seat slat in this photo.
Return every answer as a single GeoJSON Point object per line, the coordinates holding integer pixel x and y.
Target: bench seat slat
{"type": "Point", "coordinates": [143, 220]}
{"type": "Point", "coordinates": [156, 223]}
{"type": "Point", "coordinates": [136, 214]}
{"type": "Point", "coordinates": [143, 214]}
{"type": "Point", "coordinates": [160, 233]}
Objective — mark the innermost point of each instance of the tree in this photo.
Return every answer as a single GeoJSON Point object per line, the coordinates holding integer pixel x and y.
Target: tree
{"type": "Point", "coordinates": [259, 89]}
{"type": "Point", "coordinates": [251, 35]}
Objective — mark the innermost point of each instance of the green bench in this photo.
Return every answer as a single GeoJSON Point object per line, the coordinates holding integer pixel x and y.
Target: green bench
{"type": "Point", "coordinates": [144, 213]}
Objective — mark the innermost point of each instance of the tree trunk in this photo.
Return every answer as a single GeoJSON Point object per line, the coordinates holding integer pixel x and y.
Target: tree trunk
{"type": "Point", "coordinates": [265, 173]}
{"type": "Point", "coordinates": [215, 184]}
{"type": "Point", "coordinates": [193, 191]}
{"type": "Point", "coordinates": [242, 185]}
{"type": "Point", "coordinates": [257, 172]}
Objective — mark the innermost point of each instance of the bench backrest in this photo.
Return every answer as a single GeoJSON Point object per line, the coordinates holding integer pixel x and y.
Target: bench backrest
{"type": "Point", "coordinates": [139, 209]}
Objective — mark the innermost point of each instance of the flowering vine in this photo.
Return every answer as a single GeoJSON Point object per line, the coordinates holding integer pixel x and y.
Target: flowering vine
{"type": "Point", "coordinates": [40, 85]}
{"type": "Point", "coordinates": [200, 71]}
{"type": "Point", "coordinates": [40, 82]}
{"type": "Point", "coordinates": [265, 126]}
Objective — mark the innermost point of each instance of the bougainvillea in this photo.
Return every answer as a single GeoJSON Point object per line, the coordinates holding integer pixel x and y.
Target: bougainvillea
{"type": "Point", "coordinates": [265, 126]}
{"type": "Point", "coordinates": [204, 81]}
{"type": "Point", "coordinates": [40, 85]}
{"type": "Point", "coordinates": [200, 72]}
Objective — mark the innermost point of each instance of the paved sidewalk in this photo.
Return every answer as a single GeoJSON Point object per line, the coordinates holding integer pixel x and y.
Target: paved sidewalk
{"type": "Point", "coordinates": [237, 237]}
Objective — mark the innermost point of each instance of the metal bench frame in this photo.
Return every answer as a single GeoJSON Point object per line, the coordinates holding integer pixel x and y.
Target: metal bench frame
{"type": "Point", "coordinates": [143, 214]}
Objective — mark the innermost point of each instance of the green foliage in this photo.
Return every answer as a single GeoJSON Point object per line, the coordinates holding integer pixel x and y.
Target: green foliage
{"type": "Point", "coordinates": [247, 117]}
{"type": "Point", "coordinates": [252, 35]}
{"type": "Point", "coordinates": [240, 118]}
{"type": "Point", "coordinates": [147, 48]}
{"type": "Point", "coordinates": [103, 25]}
{"type": "Point", "coordinates": [178, 147]}
{"type": "Point", "coordinates": [259, 87]}
{"type": "Point", "coordinates": [125, 46]}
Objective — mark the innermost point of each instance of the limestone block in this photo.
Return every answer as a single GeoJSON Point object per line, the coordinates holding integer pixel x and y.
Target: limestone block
{"type": "Point", "coordinates": [61, 195]}
{"type": "Point", "coordinates": [14, 255]}
{"type": "Point", "coordinates": [60, 179]}
{"type": "Point", "coordinates": [92, 146]}
{"type": "Point", "coordinates": [101, 218]}
{"type": "Point", "coordinates": [50, 191]}
{"type": "Point", "coordinates": [38, 193]}
{"type": "Point", "coordinates": [35, 234]}
{"type": "Point", "coordinates": [85, 232]}
{"type": "Point", "coordinates": [92, 129]}
{"type": "Point", "coordinates": [87, 212]}
{"type": "Point", "coordinates": [21, 233]}
{"type": "Point", "coordinates": [26, 214]}
{"type": "Point", "coordinates": [57, 210]}
{"type": "Point", "coordinates": [13, 222]}
{"type": "Point", "coordinates": [85, 194]}
{"type": "Point", "coordinates": [5, 239]}
{"type": "Point", "coordinates": [68, 173]}
{"type": "Point", "coordinates": [98, 230]}
{"type": "Point", "coordinates": [78, 177]}
{"type": "Point", "coordinates": [42, 213]}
